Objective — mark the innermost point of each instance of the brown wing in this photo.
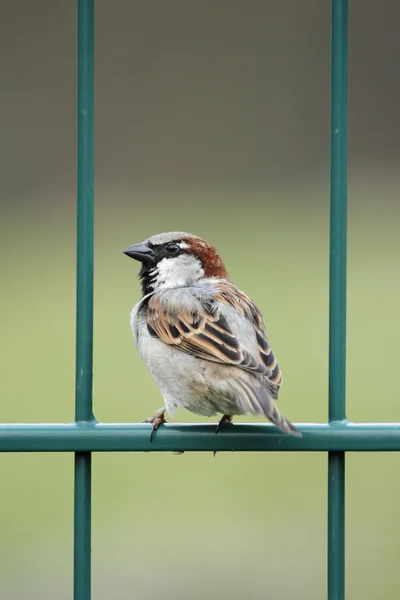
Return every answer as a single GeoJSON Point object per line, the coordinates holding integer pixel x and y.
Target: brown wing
{"type": "Point", "coordinates": [204, 333]}
{"type": "Point", "coordinates": [231, 295]}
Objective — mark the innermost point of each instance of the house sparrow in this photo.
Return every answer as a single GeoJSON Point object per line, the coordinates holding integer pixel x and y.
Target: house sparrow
{"type": "Point", "coordinates": [203, 340]}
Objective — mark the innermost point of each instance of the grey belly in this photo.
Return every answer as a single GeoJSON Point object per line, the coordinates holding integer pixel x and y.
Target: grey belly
{"type": "Point", "coordinates": [186, 381]}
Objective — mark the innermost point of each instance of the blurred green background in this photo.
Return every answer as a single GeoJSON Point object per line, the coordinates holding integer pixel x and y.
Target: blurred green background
{"type": "Point", "coordinates": [211, 117]}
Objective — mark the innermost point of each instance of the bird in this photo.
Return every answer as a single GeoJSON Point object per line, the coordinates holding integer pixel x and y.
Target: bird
{"type": "Point", "coordinates": [203, 340]}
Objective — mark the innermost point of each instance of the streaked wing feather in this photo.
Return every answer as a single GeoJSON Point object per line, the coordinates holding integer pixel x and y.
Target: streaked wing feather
{"type": "Point", "coordinates": [206, 336]}
{"type": "Point", "coordinates": [230, 294]}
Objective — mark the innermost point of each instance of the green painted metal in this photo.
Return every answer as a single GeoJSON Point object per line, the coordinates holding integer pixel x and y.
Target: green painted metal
{"type": "Point", "coordinates": [336, 526]}
{"type": "Point", "coordinates": [338, 214]}
{"type": "Point", "coordinates": [82, 525]}
{"type": "Point", "coordinates": [84, 300]}
{"type": "Point", "coordinates": [85, 214]}
{"type": "Point", "coordinates": [122, 437]}
{"type": "Point", "coordinates": [337, 295]}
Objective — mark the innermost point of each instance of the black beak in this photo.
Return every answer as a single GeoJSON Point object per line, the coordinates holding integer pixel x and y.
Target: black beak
{"type": "Point", "coordinates": [141, 252]}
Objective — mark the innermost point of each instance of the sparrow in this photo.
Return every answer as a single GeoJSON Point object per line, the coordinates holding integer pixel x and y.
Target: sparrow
{"type": "Point", "coordinates": [203, 340]}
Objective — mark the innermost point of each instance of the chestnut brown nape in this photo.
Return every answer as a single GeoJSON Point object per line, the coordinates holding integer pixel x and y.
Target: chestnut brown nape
{"type": "Point", "coordinates": [213, 264]}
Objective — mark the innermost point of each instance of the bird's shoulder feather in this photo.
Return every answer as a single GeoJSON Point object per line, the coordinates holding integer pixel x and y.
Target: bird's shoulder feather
{"type": "Point", "coordinates": [192, 320]}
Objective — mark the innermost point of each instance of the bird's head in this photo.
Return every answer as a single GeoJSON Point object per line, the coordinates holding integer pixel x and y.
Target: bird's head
{"type": "Point", "coordinates": [176, 259]}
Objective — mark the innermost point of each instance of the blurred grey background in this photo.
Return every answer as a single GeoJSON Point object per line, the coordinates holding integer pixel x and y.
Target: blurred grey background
{"type": "Point", "coordinates": [211, 117]}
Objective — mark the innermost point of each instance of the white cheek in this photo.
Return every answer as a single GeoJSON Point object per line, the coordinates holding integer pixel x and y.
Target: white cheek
{"type": "Point", "coordinates": [169, 272]}
{"type": "Point", "coordinates": [178, 272]}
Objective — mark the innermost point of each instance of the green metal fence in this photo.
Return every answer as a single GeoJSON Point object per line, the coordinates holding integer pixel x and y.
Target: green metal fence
{"type": "Point", "coordinates": [86, 435]}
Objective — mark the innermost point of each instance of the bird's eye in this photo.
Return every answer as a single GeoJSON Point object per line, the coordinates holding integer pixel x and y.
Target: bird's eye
{"type": "Point", "coordinates": [172, 249]}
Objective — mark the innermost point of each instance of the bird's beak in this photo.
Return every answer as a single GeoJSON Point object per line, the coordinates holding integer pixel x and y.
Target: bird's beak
{"type": "Point", "coordinates": [141, 252]}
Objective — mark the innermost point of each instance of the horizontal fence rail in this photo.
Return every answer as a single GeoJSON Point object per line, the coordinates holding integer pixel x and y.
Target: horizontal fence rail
{"type": "Point", "coordinates": [135, 437]}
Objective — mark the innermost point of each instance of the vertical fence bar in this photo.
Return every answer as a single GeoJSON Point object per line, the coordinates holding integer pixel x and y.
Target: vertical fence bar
{"type": "Point", "coordinates": [84, 302]}
{"type": "Point", "coordinates": [337, 294]}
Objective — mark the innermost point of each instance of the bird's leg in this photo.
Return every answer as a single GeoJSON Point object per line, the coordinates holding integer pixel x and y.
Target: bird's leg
{"type": "Point", "coordinates": [156, 420]}
{"type": "Point", "coordinates": [225, 420]}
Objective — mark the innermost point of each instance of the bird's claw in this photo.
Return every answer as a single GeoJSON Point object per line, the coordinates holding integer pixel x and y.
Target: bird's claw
{"type": "Point", "coordinates": [156, 420]}
{"type": "Point", "coordinates": [225, 420]}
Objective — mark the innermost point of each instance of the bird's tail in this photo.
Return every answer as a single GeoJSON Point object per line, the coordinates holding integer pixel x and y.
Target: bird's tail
{"type": "Point", "coordinates": [257, 400]}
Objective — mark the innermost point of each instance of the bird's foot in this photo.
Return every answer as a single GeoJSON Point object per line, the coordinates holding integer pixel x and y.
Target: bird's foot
{"type": "Point", "coordinates": [225, 420]}
{"type": "Point", "coordinates": [156, 420]}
